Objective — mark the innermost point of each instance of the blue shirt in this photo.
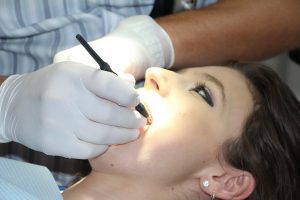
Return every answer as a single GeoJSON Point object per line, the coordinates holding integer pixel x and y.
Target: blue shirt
{"type": "Point", "coordinates": [24, 181]}
{"type": "Point", "coordinates": [32, 31]}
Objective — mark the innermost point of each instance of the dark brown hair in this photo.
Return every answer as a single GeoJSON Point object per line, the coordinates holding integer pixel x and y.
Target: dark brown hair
{"type": "Point", "coordinates": [269, 146]}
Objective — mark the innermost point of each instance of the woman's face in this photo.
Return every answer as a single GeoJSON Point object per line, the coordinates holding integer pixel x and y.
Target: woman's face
{"type": "Point", "coordinates": [194, 111]}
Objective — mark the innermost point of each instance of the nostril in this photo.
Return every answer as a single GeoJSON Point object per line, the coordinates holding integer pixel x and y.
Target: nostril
{"type": "Point", "coordinates": [154, 83]}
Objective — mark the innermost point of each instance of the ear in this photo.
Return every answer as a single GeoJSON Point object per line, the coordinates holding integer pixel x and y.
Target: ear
{"type": "Point", "coordinates": [228, 183]}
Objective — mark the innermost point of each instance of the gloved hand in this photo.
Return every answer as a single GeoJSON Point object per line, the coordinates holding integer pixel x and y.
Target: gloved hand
{"type": "Point", "coordinates": [135, 45]}
{"type": "Point", "coordinates": [68, 109]}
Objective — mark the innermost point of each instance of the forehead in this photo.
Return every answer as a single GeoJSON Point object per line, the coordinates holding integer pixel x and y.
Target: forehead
{"type": "Point", "coordinates": [224, 75]}
{"type": "Point", "coordinates": [214, 70]}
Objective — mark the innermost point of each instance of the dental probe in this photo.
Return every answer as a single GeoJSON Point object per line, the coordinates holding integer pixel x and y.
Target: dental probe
{"type": "Point", "coordinates": [105, 67]}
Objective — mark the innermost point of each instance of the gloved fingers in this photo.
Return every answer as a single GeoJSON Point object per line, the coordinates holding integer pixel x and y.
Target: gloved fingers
{"type": "Point", "coordinates": [62, 56]}
{"type": "Point", "coordinates": [85, 150]}
{"type": "Point", "coordinates": [96, 133]}
{"type": "Point", "coordinates": [65, 55]}
{"type": "Point", "coordinates": [72, 147]}
{"type": "Point", "coordinates": [111, 87]}
{"type": "Point", "coordinates": [106, 112]}
{"type": "Point", "coordinates": [118, 52]}
{"type": "Point", "coordinates": [76, 54]}
{"type": "Point", "coordinates": [128, 78]}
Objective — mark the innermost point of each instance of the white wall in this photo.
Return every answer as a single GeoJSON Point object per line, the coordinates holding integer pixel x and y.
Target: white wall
{"type": "Point", "coordinates": [288, 70]}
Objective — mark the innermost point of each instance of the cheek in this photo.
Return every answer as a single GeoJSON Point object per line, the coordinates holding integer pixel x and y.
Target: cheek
{"type": "Point", "coordinates": [180, 143]}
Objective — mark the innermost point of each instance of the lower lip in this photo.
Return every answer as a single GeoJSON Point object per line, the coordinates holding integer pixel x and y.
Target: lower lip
{"type": "Point", "coordinates": [144, 129]}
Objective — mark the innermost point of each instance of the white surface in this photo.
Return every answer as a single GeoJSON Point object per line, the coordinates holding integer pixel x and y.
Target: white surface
{"type": "Point", "coordinates": [288, 70]}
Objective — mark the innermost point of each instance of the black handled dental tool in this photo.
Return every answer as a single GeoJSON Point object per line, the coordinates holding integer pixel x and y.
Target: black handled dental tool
{"type": "Point", "coordinates": [105, 67]}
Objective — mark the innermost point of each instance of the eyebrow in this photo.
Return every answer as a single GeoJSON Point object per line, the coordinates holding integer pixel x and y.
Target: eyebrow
{"type": "Point", "coordinates": [218, 83]}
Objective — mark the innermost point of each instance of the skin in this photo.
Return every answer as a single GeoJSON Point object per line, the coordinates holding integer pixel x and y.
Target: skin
{"type": "Point", "coordinates": [180, 148]}
{"type": "Point", "coordinates": [253, 29]}
{"type": "Point", "coordinates": [2, 79]}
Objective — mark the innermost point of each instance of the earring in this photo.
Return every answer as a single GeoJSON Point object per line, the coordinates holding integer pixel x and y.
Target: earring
{"type": "Point", "coordinates": [205, 183]}
{"type": "Point", "coordinates": [213, 196]}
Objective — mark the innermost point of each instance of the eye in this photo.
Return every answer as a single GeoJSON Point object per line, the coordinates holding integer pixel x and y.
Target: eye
{"type": "Point", "coordinates": [204, 92]}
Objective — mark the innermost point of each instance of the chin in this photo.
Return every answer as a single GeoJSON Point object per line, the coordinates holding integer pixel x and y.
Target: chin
{"type": "Point", "coordinates": [118, 157]}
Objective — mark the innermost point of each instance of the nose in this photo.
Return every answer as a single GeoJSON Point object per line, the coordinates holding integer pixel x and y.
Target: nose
{"type": "Point", "coordinates": [157, 79]}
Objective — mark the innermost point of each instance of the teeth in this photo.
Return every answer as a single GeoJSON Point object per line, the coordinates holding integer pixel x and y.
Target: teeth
{"type": "Point", "coordinates": [149, 120]}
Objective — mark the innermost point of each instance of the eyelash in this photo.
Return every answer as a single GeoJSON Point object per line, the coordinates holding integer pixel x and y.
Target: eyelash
{"type": "Point", "coordinates": [204, 92]}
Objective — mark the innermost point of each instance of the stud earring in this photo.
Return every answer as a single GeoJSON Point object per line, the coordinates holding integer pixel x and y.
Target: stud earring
{"type": "Point", "coordinates": [205, 183]}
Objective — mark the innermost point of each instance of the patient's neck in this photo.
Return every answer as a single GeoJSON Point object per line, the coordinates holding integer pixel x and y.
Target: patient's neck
{"type": "Point", "coordinates": [112, 187]}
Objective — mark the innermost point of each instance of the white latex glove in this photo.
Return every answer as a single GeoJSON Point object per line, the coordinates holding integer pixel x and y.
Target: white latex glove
{"type": "Point", "coordinates": [135, 45]}
{"type": "Point", "coordinates": [68, 109]}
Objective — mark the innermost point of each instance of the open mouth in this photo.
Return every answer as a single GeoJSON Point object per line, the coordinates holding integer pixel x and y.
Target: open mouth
{"type": "Point", "coordinates": [149, 118]}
